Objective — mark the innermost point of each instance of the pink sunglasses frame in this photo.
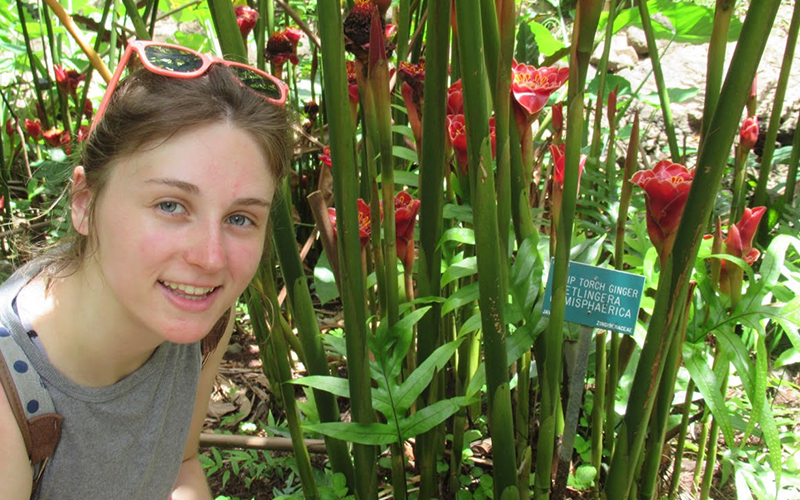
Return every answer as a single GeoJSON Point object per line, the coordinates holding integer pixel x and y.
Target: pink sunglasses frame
{"type": "Point", "coordinates": [138, 46]}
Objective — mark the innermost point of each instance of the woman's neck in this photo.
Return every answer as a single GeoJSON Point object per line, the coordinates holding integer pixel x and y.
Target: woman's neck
{"type": "Point", "coordinates": [83, 329]}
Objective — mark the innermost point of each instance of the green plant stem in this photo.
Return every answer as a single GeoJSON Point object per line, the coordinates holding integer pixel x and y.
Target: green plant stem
{"type": "Point", "coordinates": [230, 38]}
{"type": "Point", "coordinates": [674, 277]}
{"type": "Point", "coordinates": [32, 61]}
{"type": "Point", "coordinates": [658, 426]}
{"type": "Point", "coordinates": [138, 23]}
{"type": "Point", "coordinates": [711, 453]}
{"type": "Point", "coordinates": [307, 326]}
{"type": "Point", "coordinates": [676, 468]}
{"type": "Point", "coordinates": [658, 72]}
{"type": "Point", "coordinates": [432, 176]}
{"type": "Point", "coordinates": [278, 344]}
{"type": "Point", "coordinates": [489, 255]}
{"type": "Point", "coordinates": [760, 197]}
{"type": "Point", "coordinates": [738, 194]}
{"type": "Point", "coordinates": [716, 60]}
{"type": "Point", "coordinates": [594, 152]}
{"type": "Point", "coordinates": [791, 175]}
{"type": "Point", "coordinates": [341, 128]}
{"type": "Point", "coordinates": [587, 16]}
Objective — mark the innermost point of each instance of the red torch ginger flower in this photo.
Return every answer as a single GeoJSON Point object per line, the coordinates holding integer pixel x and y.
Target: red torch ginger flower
{"type": "Point", "coordinates": [68, 80]}
{"type": "Point", "coordinates": [455, 99]}
{"type": "Point", "coordinates": [10, 129]}
{"type": "Point", "coordinates": [357, 27]}
{"type": "Point", "coordinates": [740, 236]}
{"type": "Point", "coordinates": [666, 188]}
{"type": "Point", "coordinates": [246, 18]}
{"type": "Point", "coordinates": [325, 156]}
{"type": "Point", "coordinates": [282, 47]}
{"type": "Point", "coordinates": [405, 217]}
{"type": "Point", "coordinates": [748, 135]}
{"type": "Point", "coordinates": [364, 221]}
{"type": "Point", "coordinates": [56, 137]}
{"type": "Point", "coordinates": [413, 77]}
{"type": "Point", "coordinates": [739, 243]}
{"type": "Point", "coordinates": [83, 133]}
{"type": "Point", "coordinates": [34, 129]}
{"type": "Point", "coordinates": [558, 121]}
{"type": "Point", "coordinates": [532, 87]}
{"type": "Point", "coordinates": [88, 109]}
{"type": "Point", "coordinates": [457, 133]}
{"type": "Point", "coordinates": [557, 152]}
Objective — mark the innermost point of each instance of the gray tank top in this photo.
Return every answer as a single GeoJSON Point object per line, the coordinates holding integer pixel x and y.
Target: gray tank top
{"type": "Point", "coordinates": [124, 441]}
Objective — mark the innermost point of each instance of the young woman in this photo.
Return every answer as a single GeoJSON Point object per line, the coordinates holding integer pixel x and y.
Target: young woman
{"type": "Point", "coordinates": [170, 210]}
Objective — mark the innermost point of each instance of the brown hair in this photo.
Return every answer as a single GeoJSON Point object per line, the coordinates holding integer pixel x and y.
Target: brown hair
{"type": "Point", "coordinates": [148, 109]}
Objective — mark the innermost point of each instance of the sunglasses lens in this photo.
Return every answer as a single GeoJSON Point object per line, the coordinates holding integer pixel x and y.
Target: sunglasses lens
{"type": "Point", "coordinates": [172, 59]}
{"type": "Point", "coordinates": [257, 82]}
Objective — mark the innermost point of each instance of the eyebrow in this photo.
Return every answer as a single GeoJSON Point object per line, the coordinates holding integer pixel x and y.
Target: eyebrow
{"type": "Point", "coordinates": [193, 189]}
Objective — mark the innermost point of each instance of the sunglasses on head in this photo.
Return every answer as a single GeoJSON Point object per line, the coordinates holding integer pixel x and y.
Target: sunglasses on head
{"type": "Point", "coordinates": [179, 62]}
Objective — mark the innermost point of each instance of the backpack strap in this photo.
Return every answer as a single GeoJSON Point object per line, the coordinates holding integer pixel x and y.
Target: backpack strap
{"type": "Point", "coordinates": [32, 406]}
{"type": "Point", "coordinates": [210, 341]}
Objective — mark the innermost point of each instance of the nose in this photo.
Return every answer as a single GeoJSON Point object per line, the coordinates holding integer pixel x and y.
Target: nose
{"type": "Point", "coordinates": [206, 248]}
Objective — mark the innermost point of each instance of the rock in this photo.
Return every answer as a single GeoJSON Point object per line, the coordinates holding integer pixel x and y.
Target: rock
{"type": "Point", "coordinates": [621, 56]}
{"type": "Point", "coordinates": [637, 40]}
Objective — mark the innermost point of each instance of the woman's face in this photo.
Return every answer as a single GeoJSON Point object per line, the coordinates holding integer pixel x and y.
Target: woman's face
{"type": "Point", "coordinates": [180, 230]}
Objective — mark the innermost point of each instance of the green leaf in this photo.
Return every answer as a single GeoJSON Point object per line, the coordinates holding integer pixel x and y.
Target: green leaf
{"type": "Point", "coordinates": [462, 213]}
{"type": "Point", "coordinates": [429, 417]}
{"type": "Point", "coordinates": [709, 387]}
{"type": "Point", "coordinates": [404, 177]}
{"type": "Point", "coordinates": [687, 22]}
{"type": "Point", "coordinates": [403, 130]}
{"type": "Point", "coordinates": [462, 268]}
{"type": "Point", "coordinates": [369, 434]}
{"type": "Point", "coordinates": [405, 153]}
{"type": "Point", "coordinates": [612, 81]}
{"type": "Point", "coordinates": [527, 51]}
{"type": "Point", "coordinates": [519, 342]}
{"type": "Point", "coordinates": [335, 385]}
{"type": "Point", "coordinates": [462, 297]}
{"type": "Point", "coordinates": [459, 235]}
{"type": "Point", "coordinates": [526, 275]}
{"type": "Point", "coordinates": [676, 95]}
{"type": "Point", "coordinates": [324, 281]}
{"type": "Point", "coordinates": [419, 379]}
{"type": "Point", "coordinates": [545, 41]}
{"type": "Point", "coordinates": [470, 325]}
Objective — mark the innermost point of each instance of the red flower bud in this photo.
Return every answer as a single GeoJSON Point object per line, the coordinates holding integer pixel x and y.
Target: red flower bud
{"type": "Point", "coordinates": [557, 152]}
{"type": "Point", "coordinates": [457, 134]}
{"type": "Point", "coordinates": [455, 99]}
{"type": "Point", "coordinates": [83, 133]}
{"type": "Point", "coordinates": [325, 156]}
{"type": "Point", "coordinates": [558, 119]}
{"type": "Point", "coordinates": [88, 110]}
{"type": "Point", "coordinates": [364, 221]}
{"type": "Point", "coordinates": [666, 188]}
{"type": "Point", "coordinates": [748, 135]}
{"type": "Point", "coordinates": [34, 129]}
{"type": "Point", "coordinates": [405, 217]}
{"type": "Point", "coordinates": [68, 80]}
{"type": "Point", "coordinates": [740, 236]}
{"type": "Point", "coordinates": [246, 18]}
{"type": "Point", "coordinates": [10, 129]}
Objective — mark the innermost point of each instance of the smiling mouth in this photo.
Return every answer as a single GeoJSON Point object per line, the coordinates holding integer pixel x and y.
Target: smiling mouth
{"type": "Point", "coordinates": [188, 291]}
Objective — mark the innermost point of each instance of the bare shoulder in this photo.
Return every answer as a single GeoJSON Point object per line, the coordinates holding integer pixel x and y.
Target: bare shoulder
{"type": "Point", "coordinates": [15, 469]}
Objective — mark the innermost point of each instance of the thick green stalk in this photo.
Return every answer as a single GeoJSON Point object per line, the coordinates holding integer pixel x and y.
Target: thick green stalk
{"type": "Point", "coordinates": [738, 198]}
{"type": "Point", "coordinates": [713, 434]}
{"type": "Point", "coordinates": [760, 196]}
{"type": "Point", "coordinates": [33, 65]}
{"type": "Point", "coordinates": [138, 22]}
{"type": "Point", "coordinates": [594, 152]}
{"type": "Point", "coordinates": [587, 16]}
{"type": "Point", "coordinates": [610, 384]}
{"type": "Point", "coordinates": [489, 255]}
{"type": "Point", "coordinates": [650, 480]}
{"type": "Point", "coordinates": [716, 59]}
{"type": "Point", "coordinates": [520, 208]}
{"type": "Point", "coordinates": [658, 72]}
{"type": "Point", "coordinates": [674, 278]}
{"type": "Point", "coordinates": [791, 175]}
{"type": "Point", "coordinates": [256, 303]}
{"type": "Point", "coordinates": [432, 174]}
{"type": "Point", "coordinates": [345, 183]}
{"type": "Point", "coordinates": [403, 29]}
{"type": "Point", "coordinates": [230, 38]}
{"type": "Point", "coordinates": [307, 326]}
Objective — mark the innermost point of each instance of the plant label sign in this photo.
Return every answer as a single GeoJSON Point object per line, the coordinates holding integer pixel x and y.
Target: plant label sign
{"type": "Point", "coordinates": [599, 297]}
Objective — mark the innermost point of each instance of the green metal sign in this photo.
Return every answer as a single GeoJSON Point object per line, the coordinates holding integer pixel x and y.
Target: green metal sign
{"type": "Point", "coordinates": [599, 297]}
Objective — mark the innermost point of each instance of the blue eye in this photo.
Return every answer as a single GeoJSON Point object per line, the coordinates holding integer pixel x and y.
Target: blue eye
{"type": "Point", "coordinates": [240, 220]}
{"type": "Point", "coordinates": [171, 207]}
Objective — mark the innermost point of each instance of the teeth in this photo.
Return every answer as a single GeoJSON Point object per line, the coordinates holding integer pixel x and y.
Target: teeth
{"type": "Point", "coordinates": [197, 291]}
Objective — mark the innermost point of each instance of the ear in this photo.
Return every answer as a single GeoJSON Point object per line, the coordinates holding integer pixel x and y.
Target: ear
{"type": "Point", "coordinates": [80, 201]}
